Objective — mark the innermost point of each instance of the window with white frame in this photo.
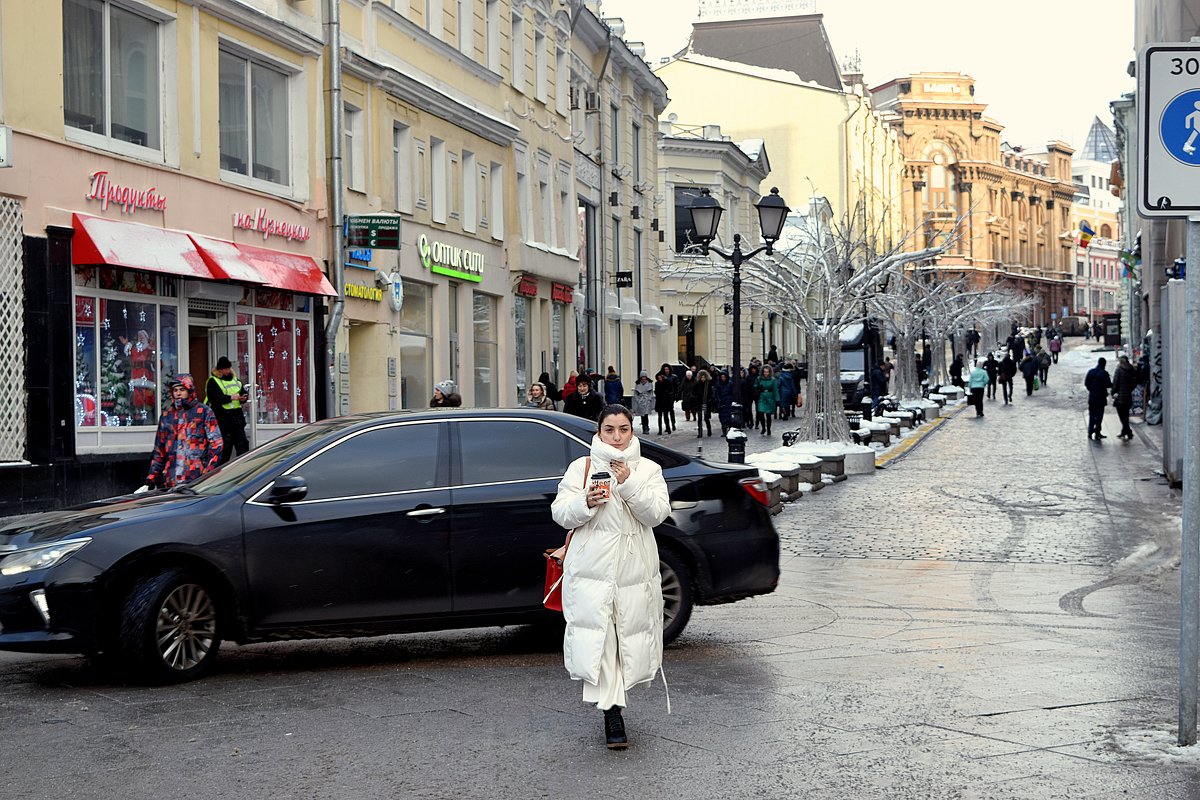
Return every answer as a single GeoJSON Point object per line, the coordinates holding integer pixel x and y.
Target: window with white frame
{"type": "Point", "coordinates": [615, 123]}
{"type": "Point", "coordinates": [496, 189]}
{"type": "Point", "coordinates": [111, 68]}
{"type": "Point", "coordinates": [545, 198]}
{"type": "Point", "coordinates": [565, 231]}
{"type": "Point", "coordinates": [521, 161]}
{"type": "Point", "coordinates": [253, 119]}
{"type": "Point", "coordinates": [437, 179]}
{"type": "Point", "coordinates": [402, 167]}
{"type": "Point", "coordinates": [354, 162]}
{"type": "Point", "coordinates": [518, 51]}
{"type": "Point", "coordinates": [465, 17]}
{"type": "Point", "coordinates": [541, 67]}
{"type": "Point", "coordinates": [483, 194]}
{"type": "Point", "coordinates": [454, 187]}
{"type": "Point", "coordinates": [562, 83]}
{"type": "Point", "coordinates": [492, 34]}
{"type": "Point", "coordinates": [635, 153]}
{"type": "Point", "coordinates": [616, 253]}
{"type": "Point", "coordinates": [470, 185]}
{"type": "Point", "coordinates": [421, 173]}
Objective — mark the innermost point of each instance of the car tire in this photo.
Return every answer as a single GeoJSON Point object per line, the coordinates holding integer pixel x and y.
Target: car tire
{"type": "Point", "coordinates": [169, 630]}
{"type": "Point", "coordinates": [677, 593]}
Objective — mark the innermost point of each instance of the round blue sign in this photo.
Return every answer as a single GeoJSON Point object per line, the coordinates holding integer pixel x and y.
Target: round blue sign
{"type": "Point", "coordinates": [1180, 128]}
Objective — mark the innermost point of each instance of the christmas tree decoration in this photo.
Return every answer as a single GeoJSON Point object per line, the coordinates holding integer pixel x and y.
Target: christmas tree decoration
{"type": "Point", "coordinates": [114, 386]}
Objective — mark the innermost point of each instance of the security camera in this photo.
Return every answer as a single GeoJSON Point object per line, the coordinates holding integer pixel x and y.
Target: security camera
{"type": "Point", "coordinates": [383, 279]}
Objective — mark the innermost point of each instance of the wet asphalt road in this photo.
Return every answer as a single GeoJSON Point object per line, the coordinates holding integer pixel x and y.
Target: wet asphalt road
{"type": "Point", "coordinates": [994, 615]}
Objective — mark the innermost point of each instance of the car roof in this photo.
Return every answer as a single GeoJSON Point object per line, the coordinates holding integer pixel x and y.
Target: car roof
{"type": "Point", "coordinates": [575, 424]}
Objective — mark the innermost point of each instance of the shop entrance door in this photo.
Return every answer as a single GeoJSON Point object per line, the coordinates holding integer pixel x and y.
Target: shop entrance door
{"type": "Point", "coordinates": [233, 342]}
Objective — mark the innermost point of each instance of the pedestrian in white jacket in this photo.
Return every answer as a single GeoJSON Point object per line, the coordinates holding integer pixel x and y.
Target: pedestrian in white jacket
{"type": "Point", "coordinates": [612, 590]}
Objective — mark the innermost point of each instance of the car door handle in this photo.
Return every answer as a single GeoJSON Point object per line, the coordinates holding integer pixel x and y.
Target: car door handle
{"type": "Point", "coordinates": [426, 512]}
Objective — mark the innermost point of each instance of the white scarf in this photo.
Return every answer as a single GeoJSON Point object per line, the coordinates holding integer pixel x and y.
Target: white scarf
{"type": "Point", "coordinates": [604, 454]}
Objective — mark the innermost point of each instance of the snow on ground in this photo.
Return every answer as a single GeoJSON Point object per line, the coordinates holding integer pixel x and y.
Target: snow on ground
{"type": "Point", "coordinates": [1152, 746]}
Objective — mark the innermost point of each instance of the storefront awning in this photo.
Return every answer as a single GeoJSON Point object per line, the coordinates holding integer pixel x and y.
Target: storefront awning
{"type": "Point", "coordinates": [129, 244]}
{"type": "Point", "coordinates": [190, 255]}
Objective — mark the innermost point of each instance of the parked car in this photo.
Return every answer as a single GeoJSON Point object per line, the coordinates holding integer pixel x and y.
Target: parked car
{"type": "Point", "coordinates": [355, 526]}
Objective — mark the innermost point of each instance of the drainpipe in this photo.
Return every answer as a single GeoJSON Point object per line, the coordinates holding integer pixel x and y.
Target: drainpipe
{"type": "Point", "coordinates": [600, 289]}
{"type": "Point", "coordinates": [333, 44]}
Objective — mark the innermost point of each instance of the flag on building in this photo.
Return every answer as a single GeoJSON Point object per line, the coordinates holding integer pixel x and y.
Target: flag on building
{"type": "Point", "coordinates": [1130, 262]}
{"type": "Point", "coordinates": [1085, 234]}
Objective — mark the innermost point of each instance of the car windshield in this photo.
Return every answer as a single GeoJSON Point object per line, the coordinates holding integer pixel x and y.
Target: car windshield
{"type": "Point", "coordinates": [249, 467]}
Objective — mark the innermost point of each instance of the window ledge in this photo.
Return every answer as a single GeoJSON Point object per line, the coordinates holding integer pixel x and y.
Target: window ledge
{"type": "Point", "coordinates": [115, 147]}
{"type": "Point", "coordinates": [257, 184]}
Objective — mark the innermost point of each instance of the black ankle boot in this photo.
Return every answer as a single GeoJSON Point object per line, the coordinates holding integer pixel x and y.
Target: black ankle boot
{"type": "Point", "coordinates": [614, 729]}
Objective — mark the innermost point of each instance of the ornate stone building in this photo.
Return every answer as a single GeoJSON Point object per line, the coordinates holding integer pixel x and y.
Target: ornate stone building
{"type": "Point", "coordinates": [1007, 211]}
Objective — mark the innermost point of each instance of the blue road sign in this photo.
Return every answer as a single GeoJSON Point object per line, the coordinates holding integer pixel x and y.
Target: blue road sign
{"type": "Point", "coordinates": [1179, 128]}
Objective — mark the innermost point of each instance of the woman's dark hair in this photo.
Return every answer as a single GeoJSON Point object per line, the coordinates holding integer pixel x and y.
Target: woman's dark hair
{"type": "Point", "coordinates": [613, 409]}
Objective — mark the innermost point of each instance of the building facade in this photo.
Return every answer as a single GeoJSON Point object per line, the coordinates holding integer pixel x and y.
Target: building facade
{"type": "Point", "coordinates": [163, 206]}
{"type": "Point", "coordinates": [1099, 276]}
{"type": "Point", "coordinates": [1006, 213]}
{"type": "Point", "coordinates": [615, 103]}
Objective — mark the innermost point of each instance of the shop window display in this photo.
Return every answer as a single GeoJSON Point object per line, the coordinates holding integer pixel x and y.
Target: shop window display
{"type": "Point", "coordinates": [275, 379]}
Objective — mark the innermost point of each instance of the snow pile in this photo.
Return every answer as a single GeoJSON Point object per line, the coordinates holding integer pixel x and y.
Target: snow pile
{"type": "Point", "coordinates": [1152, 746]}
{"type": "Point", "coordinates": [768, 476]}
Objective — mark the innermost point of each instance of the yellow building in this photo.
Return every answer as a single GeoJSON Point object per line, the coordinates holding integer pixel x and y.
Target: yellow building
{"type": "Point", "coordinates": [1007, 212]}
{"type": "Point", "coordinates": [825, 136]}
{"type": "Point", "coordinates": [1098, 271]}
{"type": "Point", "coordinates": [162, 205]}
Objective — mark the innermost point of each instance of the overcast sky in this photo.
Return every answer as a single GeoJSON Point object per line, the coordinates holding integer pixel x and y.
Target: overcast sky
{"type": "Point", "coordinates": [1044, 68]}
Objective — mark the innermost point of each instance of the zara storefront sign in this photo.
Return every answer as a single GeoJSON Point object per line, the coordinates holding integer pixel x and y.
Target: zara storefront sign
{"type": "Point", "coordinates": [268, 226]}
{"type": "Point", "coordinates": [448, 259]}
{"type": "Point", "coordinates": [130, 200]}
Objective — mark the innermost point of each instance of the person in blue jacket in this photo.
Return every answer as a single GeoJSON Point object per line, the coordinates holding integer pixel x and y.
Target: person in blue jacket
{"type": "Point", "coordinates": [724, 392]}
{"type": "Point", "coordinates": [787, 391]}
{"type": "Point", "coordinates": [614, 390]}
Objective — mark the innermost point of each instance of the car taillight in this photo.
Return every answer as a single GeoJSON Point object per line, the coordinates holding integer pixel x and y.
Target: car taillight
{"type": "Point", "coordinates": [756, 488]}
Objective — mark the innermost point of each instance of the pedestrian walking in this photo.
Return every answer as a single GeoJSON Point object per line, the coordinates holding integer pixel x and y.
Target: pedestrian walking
{"type": "Point", "coordinates": [879, 384]}
{"type": "Point", "coordinates": [773, 355]}
{"type": "Point", "coordinates": [1124, 381]}
{"type": "Point", "coordinates": [1098, 383]}
{"type": "Point", "coordinates": [768, 400]}
{"type": "Point", "coordinates": [643, 400]}
{"type": "Point", "coordinates": [1055, 348]}
{"type": "Point", "coordinates": [552, 391]}
{"type": "Point", "coordinates": [956, 371]}
{"type": "Point", "coordinates": [1008, 371]}
{"type": "Point", "coordinates": [584, 403]}
{"type": "Point", "coordinates": [705, 401]}
{"type": "Point", "coordinates": [614, 390]}
{"type": "Point", "coordinates": [445, 396]}
{"type": "Point", "coordinates": [569, 387]}
{"type": "Point", "coordinates": [787, 391]}
{"type": "Point", "coordinates": [188, 441]}
{"type": "Point", "coordinates": [224, 393]}
{"type": "Point", "coordinates": [1016, 347]}
{"type": "Point", "coordinates": [1043, 361]}
{"type": "Point", "coordinates": [992, 368]}
{"type": "Point", "coordinates": [977, 383]}
{"type": "Point", "coordinates": [1029, 368]}
{"type": "Point", "coordinates": [612, 592]}
{"type": "Point", "coordinates": [664, 401]}
{"type": "Point", "coordinates": [750, 396]}
{"type": "Point", "coordinates": [538, 397]}
{"type": "Point", "coordinates": [723, 390]}
{"type": "Point", "coordinates": [674, 381]}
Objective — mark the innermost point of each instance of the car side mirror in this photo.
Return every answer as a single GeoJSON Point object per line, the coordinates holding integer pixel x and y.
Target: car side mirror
{"type": "Point", "coordinates": [287, 489]}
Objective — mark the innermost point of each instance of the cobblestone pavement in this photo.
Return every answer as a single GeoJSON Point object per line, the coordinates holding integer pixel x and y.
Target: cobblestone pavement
{"type": "Point", "coordinates": [992, 616]}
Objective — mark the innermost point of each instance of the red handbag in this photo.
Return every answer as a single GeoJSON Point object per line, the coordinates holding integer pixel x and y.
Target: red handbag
{"type": "Point", "coordinates": [552, 599]}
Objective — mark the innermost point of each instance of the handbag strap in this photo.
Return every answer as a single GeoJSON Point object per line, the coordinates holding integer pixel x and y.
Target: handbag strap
{"type": "Point", "coordinates": [587, 468]}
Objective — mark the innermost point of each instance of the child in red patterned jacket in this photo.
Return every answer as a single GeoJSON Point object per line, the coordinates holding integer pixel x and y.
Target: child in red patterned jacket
{"type": "Point", "coordinates": [188, 443]}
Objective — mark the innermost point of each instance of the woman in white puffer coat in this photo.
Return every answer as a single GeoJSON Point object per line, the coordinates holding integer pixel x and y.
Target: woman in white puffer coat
{"type": "Point", "coordinates": [612, 590]}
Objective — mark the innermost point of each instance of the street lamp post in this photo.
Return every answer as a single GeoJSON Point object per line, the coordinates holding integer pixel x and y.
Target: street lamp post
{"type": "Point", "coordinates": [706, 219]}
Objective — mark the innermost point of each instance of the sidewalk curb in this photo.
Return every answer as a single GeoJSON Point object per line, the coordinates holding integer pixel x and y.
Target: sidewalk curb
{"type": "Point", "coordinates": [904, 448]}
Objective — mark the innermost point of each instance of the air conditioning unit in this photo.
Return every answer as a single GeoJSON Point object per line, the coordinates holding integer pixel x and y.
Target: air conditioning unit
{"type": "Point", "coordinates": [592, 101]}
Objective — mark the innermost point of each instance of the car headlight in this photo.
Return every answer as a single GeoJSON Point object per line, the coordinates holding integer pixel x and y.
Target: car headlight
{"type": "Point", "coordinates": [39, 557]}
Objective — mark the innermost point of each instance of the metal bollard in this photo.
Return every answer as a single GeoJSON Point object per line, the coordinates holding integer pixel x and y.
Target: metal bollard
{"type": "Point", "coordinates": [736, 440]}
{"type": "Point", "coordinates": [866, 405]}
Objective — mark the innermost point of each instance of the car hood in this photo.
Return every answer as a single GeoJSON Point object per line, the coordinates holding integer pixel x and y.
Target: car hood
{"type": "Point", "coordinates": [52, 526]}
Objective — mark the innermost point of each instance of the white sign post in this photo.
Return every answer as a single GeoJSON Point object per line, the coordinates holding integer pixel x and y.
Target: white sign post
{"type": "Point", "coordinates": [1169, 186]}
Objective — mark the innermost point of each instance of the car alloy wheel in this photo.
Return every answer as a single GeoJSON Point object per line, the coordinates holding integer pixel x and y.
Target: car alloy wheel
{"type": "Point", "coordinates": [187, 627]}
{"type": "Point", "coordinates": [677, 594]}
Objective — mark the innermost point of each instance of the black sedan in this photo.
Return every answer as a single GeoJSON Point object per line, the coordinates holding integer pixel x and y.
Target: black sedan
{"type": "Point", "coordinates": [355, 526]}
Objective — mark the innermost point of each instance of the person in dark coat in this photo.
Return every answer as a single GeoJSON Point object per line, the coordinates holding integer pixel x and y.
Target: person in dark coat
{"type": "Point", "coordinates": [673, 380]}
{"type": "Point", "coordinates": [787, 391]}
{"type": "Point", "coordinates": [584, 402]}
{"type": "Point", "coordinates": [705, 401]}
{"type": "Point", "coordinates": [1125, 380]}
{"type": "Point", "coordinates": [956, 371]}
{"type": "Point", "coordinates": [445, 396]}
{"type": "Point", "coordinates": [225, 393]}
{"type": "Point", "coordinates": [687, 395]}
{"type": "Point", "coordinates": [992, 368]}
{"type": "Point", "coordinates": [723, 391]}
{"type": "Point", "coordinates": [188, 441]}
{"type": "Point", "coordinates": [773, 355]}
{"type": "Point", "coordinates": [750, 396]}
{"type": "Point", "coordinates": [879, 384]}
{"type": "Point", "coordinates": [1016, 347]}
{"type": "Point", "coordinates": [1008, 371]}
{"type": "Point", "coordinates": [1098, 385]}
{"type": "Point", "coordinates": [1043, 361]}
{"type": "Point", "coordinates": [614, 390]}
{"type": "Point", "coordinates": [1029, 369]}
{"type": "Point", "coordinates": [664, 401]}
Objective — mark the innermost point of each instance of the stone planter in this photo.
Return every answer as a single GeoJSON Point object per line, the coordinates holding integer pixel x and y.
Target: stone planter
{"type": "Point", "coordinates": [789, 487]}
{"type": "Point", "coordinates": [809, 469]}
{"type": "Point", "coordinates": [833, 465]}
{"type": "Point", "coordinates": [861, 463]}
{"type": "Point", "coordinates": [774, 497]}
{"type": "Point", "coordinates": [881, 432]}
{"type": "Point", "coordinates": [940, 399]}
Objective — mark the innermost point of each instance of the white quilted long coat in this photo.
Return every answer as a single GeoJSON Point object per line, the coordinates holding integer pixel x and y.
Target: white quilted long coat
{"type": "Point", "coordinates": [613, 561]}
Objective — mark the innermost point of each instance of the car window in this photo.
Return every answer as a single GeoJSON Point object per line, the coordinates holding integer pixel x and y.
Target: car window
{"type": "Point", "coordinates": [392, 459]}
{"type": "Point", "coordinates": [512, 450]}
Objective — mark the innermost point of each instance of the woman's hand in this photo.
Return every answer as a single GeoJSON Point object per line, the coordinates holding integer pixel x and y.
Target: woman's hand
{"type": "Point", "coordinates": [620, 471]}
{"type": "Point", "coordinates": [595, 495]}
